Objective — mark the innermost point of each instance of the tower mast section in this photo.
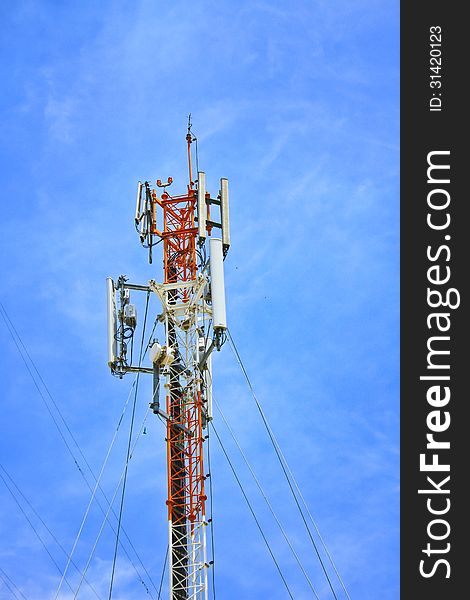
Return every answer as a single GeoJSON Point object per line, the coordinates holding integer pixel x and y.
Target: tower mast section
{"type": "Point", "coordinates": [194, 323]}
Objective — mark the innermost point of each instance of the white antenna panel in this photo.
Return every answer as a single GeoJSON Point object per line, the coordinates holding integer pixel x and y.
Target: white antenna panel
{"type": "Point", "coordinates": [138, 204]}
{"type": "Point", "coordinates": [201, 205]}
{"type": "Point", "coordinates": [219, 318]}
{"type": "Point", "coordinates": [112, 325]}
{"type": "Point", "coordinates": [224, 212]}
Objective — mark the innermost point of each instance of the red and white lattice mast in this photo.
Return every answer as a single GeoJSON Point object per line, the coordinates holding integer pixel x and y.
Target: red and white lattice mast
{"type": "Point", "coordinates": [193, 315]}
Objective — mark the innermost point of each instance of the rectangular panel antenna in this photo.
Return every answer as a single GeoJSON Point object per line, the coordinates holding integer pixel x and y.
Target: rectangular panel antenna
{"type": "Point", "coordinates": [138, 202]}
{"type": "Point", "coordinates": [224, 213]}
{"type": "Point", "coordinates": [112, 324]}
{"type": "Point", "coordinates": [201, 206]}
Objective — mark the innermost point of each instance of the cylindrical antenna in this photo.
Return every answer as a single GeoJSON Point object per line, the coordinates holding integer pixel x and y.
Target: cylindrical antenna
{"type": "Point", "coordinates": [219, 318]}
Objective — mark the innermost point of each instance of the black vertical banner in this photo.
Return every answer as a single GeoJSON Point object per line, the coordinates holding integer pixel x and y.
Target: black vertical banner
{"type": "Point", "coordinates": [435, 258]}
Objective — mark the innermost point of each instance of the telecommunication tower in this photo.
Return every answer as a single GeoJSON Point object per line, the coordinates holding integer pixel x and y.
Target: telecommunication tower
{"type": "Point", "coordinates": [193, 319]}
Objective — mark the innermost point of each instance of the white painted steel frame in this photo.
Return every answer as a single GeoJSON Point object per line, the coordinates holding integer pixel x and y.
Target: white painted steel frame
{"type": "Point", "coordinates": [187, 575]}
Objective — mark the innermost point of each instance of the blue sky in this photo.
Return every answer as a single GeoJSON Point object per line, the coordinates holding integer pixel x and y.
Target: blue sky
{"type": "Point", "coordinates": [297, 104]}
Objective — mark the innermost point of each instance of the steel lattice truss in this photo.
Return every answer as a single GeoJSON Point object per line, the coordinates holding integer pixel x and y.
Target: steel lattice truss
{"type": "Point", "coordinates": [193, 300]}
{"type": "Point", "coordinates": [186, 323]}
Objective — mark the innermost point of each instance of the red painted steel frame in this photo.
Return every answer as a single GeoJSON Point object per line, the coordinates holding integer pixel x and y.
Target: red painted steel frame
{"type": "Point", "coordinates": [186, 495]}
